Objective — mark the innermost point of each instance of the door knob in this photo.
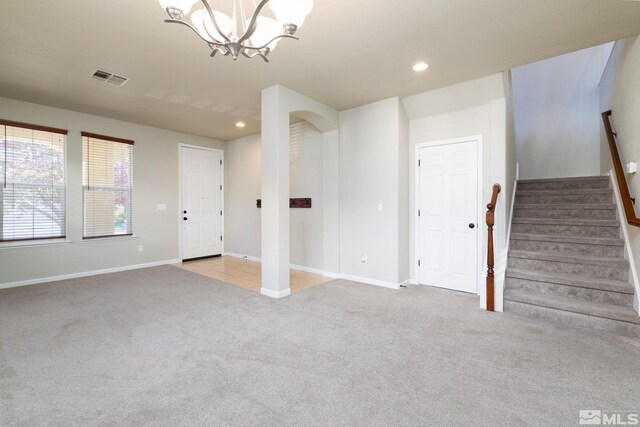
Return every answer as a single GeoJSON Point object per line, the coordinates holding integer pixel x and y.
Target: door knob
{"type": "Point", "coordinates": [184, 212]}
{"type": "Point", "coordinates": [472, 225]}
{"type": "Point", "coordinates": [184, 218]}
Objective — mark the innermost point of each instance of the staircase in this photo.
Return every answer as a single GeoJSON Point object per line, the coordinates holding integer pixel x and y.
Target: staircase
{"type": "Point", "coordinates": [566, 257]}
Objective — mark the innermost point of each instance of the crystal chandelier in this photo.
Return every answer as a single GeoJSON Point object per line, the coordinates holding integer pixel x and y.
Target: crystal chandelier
{"type": "Point", "coordinates": [238, 34]}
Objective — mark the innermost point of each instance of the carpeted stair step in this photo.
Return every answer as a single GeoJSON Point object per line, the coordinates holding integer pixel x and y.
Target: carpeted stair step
{"type": "Point", "coordinates": [566, 227]}
{"type": "Point", "coordinates": [567, 285]}
{"type": "Point", "coordinates": [578, 312]}
{"type": "Point", "coordinates": [570, 245]}
{"type": "Point", "coordinates": [582, 197]}
{"type": "Point", "coordinates": [575, 183]}
{"type": "Point", "coordinates": [603, 268]}
{"type": "Point", "coordinates": [566, 256]}
{"type": "Point", "coordinates": [565, 211]}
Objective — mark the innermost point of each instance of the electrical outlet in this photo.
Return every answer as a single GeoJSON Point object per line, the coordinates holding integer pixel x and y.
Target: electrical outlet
{"type": "Point", "coordinates": [140, 248]}
{"type": "Point", "coordinates": [364, 259]}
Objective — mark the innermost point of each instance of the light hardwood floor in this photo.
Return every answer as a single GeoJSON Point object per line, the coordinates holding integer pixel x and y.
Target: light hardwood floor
{"type": "Point", "coordinates": [247, 274]}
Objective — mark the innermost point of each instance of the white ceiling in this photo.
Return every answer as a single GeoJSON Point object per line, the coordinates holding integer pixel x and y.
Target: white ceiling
{"type": "Point", "coordinates": [349, 53]}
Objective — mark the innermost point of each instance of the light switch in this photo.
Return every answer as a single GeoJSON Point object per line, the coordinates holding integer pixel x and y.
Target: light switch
{"type": "Point", "coordinates": [162, 207]}
{"type": "Point", "coordinates": [632, 167]}
{"type": "Point", "coordinates": [380, 207]}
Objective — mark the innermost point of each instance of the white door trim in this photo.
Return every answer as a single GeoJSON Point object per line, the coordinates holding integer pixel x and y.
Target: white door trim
{"type": "Point", "coordinates": [198, 147]}
{"type": "Point", "coordinates": [480, 147]}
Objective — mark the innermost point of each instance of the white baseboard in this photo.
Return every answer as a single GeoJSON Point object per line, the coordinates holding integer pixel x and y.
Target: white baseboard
{"type": "Point", "coordinates": [241, 256]}
{"type": "Point", "coordinates": [405, 283]}
{"type": "Point", "coordinates": [331, 275]}
{"type": "Point", "coordinates": [413, 281]}
{"type": "Point", "coordinates": [86, 273]}
{"type": "Point", "coordinates": [368, 281]}
{"type": "Point", "coordinates": [307, 269]}
{"type": "Point", "coordinates": [275, 294]}
{"type": "Point", "coordinates": [291, 266]}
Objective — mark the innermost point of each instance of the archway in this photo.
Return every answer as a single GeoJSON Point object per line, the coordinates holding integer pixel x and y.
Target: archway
{"type": "Point", "coordinates": [278, 103]}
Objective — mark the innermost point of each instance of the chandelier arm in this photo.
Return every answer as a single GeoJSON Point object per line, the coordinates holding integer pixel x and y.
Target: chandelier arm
{"type": "Point", "coordinates": [281, 36]}
{"type": "Point", "coordinates": [213, 19]}
{"type": "Point", "coordinates": [252, 25]}
{"type": "Point", "coordinates": [218, 48]}
{"type": "Point", "coordinates": [176, 21]}
{"type": "Point", "coordinates": [253, 55]}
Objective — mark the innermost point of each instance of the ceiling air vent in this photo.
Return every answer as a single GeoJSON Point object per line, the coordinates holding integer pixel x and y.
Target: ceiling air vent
{"type": "Point", "coordinates": [108, 77]}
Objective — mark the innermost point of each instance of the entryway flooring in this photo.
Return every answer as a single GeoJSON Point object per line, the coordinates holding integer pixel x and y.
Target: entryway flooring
{"type": "Point", "coordinates": [247, 274]}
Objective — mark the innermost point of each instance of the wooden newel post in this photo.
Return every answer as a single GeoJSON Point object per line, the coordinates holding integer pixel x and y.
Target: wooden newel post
{"type": "Point", "coordinates": [490, 217]}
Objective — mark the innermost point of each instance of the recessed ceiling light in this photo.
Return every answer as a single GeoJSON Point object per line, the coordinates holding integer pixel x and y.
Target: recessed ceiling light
{"type": "Point", "coordinates": [240, 124]}
{"type": "Point", "coordinates": [420, 66]}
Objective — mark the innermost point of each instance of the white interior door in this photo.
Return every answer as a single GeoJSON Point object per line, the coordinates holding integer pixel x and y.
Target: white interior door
{"type": "Point", "coordinates": [201, 202]}
{"type": "Point", "coordinates": [448, 216]}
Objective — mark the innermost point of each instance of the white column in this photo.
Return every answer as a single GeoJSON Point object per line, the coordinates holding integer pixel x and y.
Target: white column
{"type": "Point", "coordinates": [275, 194]}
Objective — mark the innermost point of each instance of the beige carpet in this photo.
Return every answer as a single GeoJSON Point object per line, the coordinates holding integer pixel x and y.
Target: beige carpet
{"type": "Point", "coordinates": [167, 347]}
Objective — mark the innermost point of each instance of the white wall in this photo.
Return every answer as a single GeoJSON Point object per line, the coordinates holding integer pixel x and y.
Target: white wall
{"type": "Point", "coordinates": [508, 187]}
{"type": "Point", "coordinates": [155, 180]}
{"type": "Point", "coordinates": [404, 214]}
{"type": "Point", "coordinates": [478, 107]}
{"type": "Point", "coordinates": [556, 110]}
{"type": "Point", "coordinates": [371, 173]}
{"type": "Point", "coordinates": [619, 92]}
{"type": "Point", "coordinates": [243, 180]}
{"type": "Point", "coordinates": [305, 168]}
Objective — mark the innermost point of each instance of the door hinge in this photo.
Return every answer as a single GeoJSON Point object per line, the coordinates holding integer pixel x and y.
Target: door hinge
{"type": "Point", "coordinates": [221, 187]}
{"type": "Point", "coordinates": [418, 263]}
{"type": "Point", "coordinates": [221, 238]}
{"type": "Point", "coordinates": [418, 163]}
{"type": "Point", "coordinates": [220, 212]}
{"type": "Point", "coordinates": [418, 212]}
{"type": "Point", "coordinates": [220, 161]}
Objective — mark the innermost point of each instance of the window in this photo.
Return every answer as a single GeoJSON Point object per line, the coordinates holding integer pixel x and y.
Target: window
{"type": "Point", "coordinates": [107, 184]}
{"type": "Point", "coordinates": [32, 178]}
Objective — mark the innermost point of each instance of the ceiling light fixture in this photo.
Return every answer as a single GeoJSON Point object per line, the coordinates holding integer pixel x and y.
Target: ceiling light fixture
{"type": "Point", "coordinates": [420, 66]}
{"type": "Point", "coordinates": [238, 35]}
{"type": "Point", "coordinates": [240, 124]}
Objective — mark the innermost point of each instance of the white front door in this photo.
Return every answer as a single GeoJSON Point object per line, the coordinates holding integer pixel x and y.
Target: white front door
{"type": "Point", "coordinates": [201, 218]}
{"type": "Point", "coordinates": [448, 215]}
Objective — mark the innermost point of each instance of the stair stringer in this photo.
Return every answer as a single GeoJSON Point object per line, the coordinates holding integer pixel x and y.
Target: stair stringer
{"type": "Point", "coordinates": [628, 253]}
{"type": "Point", "coordinates": [502, 258]}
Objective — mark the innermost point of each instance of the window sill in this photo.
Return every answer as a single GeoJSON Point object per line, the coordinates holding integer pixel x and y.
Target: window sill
{"type": "Point", "coordinates": [33, 243]}
{"type": "Point", "coordinates": [107, 239]}
{"type": "Point", "coordinates": [57, 242]}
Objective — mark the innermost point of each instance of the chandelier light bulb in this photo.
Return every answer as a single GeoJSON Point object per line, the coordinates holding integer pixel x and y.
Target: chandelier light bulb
{"type": "Point", "coordinates": [420, 66]}
{"type": "Point", "coordinates": [291, 11]}
{"type": "Point", "coordinates": [266, 30]}
{"type": "Point", "coordinates": [202, 22]}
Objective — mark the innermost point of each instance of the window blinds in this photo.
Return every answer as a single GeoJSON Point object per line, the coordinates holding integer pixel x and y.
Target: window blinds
{"type": "Point", "coordinates": [32, 182]}
{"type": "Point", "coordinates": [107, 184]}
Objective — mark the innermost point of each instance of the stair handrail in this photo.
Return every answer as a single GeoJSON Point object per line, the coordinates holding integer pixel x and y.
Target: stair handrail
{"type": "Point", "coordinates": [627, 202]}
{"type": "Point", "coordinates": [490, 218]}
